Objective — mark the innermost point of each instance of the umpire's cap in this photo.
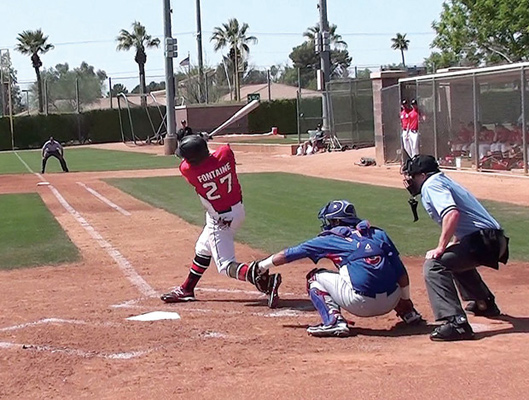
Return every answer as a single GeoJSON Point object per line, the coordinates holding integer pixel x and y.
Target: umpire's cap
{"type": "Point", "coordinates": [193, 149]}
{"type": "Point", "coordinates": [421, 164]}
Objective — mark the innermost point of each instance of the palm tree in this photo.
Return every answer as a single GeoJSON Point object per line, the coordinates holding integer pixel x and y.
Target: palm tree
{"type": "Point", "coordinates": [138, 39]}
{"type": "Point", "coordinates": [233, 35]}
{"type": "Point", "coordinates": [400, 43]}
{"type": "Point", "coordinates": [336, 40]}
{"type": "Point", "coordinates": [32, 43]}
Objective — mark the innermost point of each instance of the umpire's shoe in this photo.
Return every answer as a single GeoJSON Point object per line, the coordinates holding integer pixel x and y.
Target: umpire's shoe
{"type": "Point", "coordinates": [273, 290]}
{"type": "Point", "coordinates": [456, 328]}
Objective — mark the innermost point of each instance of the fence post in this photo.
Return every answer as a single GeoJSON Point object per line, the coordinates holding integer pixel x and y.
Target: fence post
{"type": "Point", "coordinates": [110, 92]}
{"type": "Point", "coordinates": [351, 99]}
{"type": "Point", "coordinates": [299, 105]}
{"type": "Point", "coordinates": [475, 104]}
{"type": "Point", "coordinates": [77, 105]}
{"type": "Point", "coordinates": [524, 124]}
{"type": "Point", "coordinates": [45, 96]}
{"type": "Point", "coordinates": [435, 136]}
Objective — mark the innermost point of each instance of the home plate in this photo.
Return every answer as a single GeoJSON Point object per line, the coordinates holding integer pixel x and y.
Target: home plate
{"type": "Point", "coordinates": [43, 184]}
{"type": "Point", "coordinates": [155, 316]}
{"type": "Point", "coordinates": [478, 328]}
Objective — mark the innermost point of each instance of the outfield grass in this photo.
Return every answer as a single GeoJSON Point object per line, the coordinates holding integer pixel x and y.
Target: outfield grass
{"type": "Point", "coordinates": [281, 210]}
{"type": "Point", "coordinates": [30, 235]}
{"type": "Point", "coordinates": [84, 159]}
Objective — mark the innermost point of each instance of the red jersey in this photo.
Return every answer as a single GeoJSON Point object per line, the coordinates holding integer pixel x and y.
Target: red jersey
{"type": "Point", "coordinates": [413, 119]}
{"type": "Point", "coordinates": [215, 179]}
{"type": "Point", "coordinates": [404, 119]}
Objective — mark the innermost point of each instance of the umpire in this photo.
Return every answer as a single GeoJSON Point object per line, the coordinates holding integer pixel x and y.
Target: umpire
{"type": "Point", "coordinates": [52, 148]}
{"type": "Point", "coordinates": [470, 237]}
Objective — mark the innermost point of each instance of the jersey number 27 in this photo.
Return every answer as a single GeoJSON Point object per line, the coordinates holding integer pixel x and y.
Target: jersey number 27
{"type": "Point", "coordinates": [212, 188]}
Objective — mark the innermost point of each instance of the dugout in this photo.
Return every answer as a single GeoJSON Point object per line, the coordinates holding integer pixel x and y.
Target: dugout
{"type": "Point", "coordinates": [491, 103]}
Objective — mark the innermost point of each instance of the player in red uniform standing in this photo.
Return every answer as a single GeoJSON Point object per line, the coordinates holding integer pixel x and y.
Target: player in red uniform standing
{"type": "Point", "coordinates": [215, 181]}
{"type": "Point", "coordinates": [411, 136]}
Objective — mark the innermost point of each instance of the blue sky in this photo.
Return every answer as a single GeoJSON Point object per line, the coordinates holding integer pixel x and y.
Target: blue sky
{"type": "Point", "coordinates": [86, 30]}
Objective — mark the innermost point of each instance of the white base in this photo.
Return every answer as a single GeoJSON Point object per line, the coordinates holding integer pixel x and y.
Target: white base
{"type": "Point", "coordinates": [43, 184]}
{"type": "Point", "coordinates": [155, 316]}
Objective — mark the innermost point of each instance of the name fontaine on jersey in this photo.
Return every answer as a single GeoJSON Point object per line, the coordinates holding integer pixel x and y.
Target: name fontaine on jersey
{"type": "Point", "coordinates": [214, 174]}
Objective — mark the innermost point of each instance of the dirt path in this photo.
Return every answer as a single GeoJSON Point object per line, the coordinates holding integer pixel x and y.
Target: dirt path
{"type": "Point", "coordinates": [64, 333]}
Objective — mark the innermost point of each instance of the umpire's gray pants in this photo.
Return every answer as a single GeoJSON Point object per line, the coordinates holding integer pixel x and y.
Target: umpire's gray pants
{"type": "Point", "coordinates": [455, 266]}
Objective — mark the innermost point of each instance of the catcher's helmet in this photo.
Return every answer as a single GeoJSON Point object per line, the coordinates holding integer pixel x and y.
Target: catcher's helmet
{"type": "Point", "coordinates": [338, 212]}
{"type": "Point", "coordinates": [193, 149]}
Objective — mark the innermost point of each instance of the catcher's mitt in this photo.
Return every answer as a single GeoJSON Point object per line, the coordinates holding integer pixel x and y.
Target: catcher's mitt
{"type": "Point", "coordinates": [261, 281]}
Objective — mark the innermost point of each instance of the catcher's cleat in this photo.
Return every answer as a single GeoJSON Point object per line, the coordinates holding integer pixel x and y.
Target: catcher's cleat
{"type": "Point", "coordinates": [338, 329]}
{"type": "Point", "coordinates": [273, 290]}
{"type": "Point", "coordinates": [178, 295]}
{"type": "Point", "coordinates": [491, 309]}
{"type": "Point", "coordinates": [412, 318]}
{"type": "Point", "coordinates": [457, 328]}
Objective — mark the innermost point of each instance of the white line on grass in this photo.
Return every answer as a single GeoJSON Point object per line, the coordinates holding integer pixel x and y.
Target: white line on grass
{"type": "Point", "coordinates": [123, 263]}
{"type": "Point", "coordinates": [105, 200]}
{"type": "Point", "coordinates": [75, 352]}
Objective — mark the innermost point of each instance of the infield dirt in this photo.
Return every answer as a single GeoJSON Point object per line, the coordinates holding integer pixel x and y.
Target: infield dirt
{"type": "Point", "coordinates": [64, 333]}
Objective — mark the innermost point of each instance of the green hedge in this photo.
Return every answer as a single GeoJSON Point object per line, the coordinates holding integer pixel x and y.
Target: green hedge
{"type": "Point", "coordinates": [100, 126]}
{"type": "Point", "coordinates": [278, 113]}
{"type": "Point", "coordinates": [103, 126]}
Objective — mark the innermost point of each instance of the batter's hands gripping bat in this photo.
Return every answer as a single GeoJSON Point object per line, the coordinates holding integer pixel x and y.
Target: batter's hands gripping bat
{"type": "Point", "coordinates": [247, 109]}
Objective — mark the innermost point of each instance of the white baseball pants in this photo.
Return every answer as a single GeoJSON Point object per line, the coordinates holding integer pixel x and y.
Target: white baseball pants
{"type": "Point", "coordinates": [341, 290]}
{"type": "Point", "coordinates": [410, 142]}
{"type": "Point", "coordinates": [217, 237]}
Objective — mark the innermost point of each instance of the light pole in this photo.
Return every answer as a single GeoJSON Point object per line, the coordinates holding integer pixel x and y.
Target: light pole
{"type": "Point", "coordinates": [325, 59]}
{"type": "Point", "coordinates": [201, 85]}
{"type": "Point", "coordinates": [170, 138]}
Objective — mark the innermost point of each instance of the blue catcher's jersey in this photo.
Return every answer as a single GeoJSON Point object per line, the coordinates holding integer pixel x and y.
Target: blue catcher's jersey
{"type": "Point", "coordinates": [372, 260]}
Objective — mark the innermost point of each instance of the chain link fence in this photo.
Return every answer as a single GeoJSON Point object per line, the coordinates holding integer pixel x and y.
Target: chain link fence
{"type": "Point", "coordinates": [475, 119]}
{"type": "Point", "coordinates": [351, 109]}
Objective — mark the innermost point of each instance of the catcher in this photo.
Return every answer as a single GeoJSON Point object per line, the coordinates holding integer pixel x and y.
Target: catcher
{"type": "Point", "coordinates": [371, 279]}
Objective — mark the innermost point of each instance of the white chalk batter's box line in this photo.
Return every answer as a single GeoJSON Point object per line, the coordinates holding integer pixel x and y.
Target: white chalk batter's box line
{"type": "Point", "coordinates": [105, 200]}
{"type": "Point", "coordinates": [75, 352]}
{"type": "Point", "coordinates": [55, 321]}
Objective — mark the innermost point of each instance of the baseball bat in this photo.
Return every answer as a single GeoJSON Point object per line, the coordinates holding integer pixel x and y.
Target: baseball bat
{"type": "Point", "coordinates": [248, 108]}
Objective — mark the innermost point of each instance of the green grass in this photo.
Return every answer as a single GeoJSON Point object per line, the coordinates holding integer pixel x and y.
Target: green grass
{"type": "Point", "coordinates": [282, 210]}
{"type": "Point", "coordinates": [84, 159]}
{"type": "Point", "coordinates": [30, 235]}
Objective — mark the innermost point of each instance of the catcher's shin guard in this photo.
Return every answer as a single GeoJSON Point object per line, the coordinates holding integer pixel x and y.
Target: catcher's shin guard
{"type": "Point", "coordinates": [326, 306]}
